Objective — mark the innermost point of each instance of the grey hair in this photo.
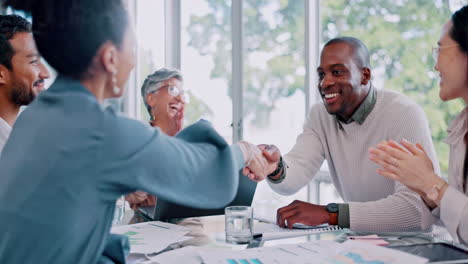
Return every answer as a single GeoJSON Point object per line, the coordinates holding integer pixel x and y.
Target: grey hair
{"type": "Point", "coordinates": [153, 80]}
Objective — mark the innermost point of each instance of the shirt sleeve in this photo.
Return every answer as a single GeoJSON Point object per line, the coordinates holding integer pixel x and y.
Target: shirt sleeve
{"type": "Point", "coordinates": [304, 159]}
{"type": "Point", "coordinates": [196, 168]}
{"type": "Point", "coordinates": [454, 213]}
{"type": "Point", "coordinates": [404, 210]}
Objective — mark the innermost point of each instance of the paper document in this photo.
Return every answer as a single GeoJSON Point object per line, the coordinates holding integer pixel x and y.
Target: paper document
{"type": "Point", "coordinates": [185, 255]}
{"type": "Point", "coordinates": [326, 252]}
{"type": "Point", "coordinates": [150, 237]}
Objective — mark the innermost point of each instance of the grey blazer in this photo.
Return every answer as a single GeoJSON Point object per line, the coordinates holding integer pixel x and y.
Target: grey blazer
{"type": "Point", "coordinates": [68, 160]}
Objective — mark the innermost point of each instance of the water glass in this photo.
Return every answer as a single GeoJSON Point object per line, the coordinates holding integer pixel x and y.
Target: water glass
{"type": "Point", "coordinates": [119, 211]}
{"type": "Point", "coordinates": [239, 224]}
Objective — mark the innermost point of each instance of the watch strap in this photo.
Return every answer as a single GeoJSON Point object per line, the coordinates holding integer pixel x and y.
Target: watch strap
{"type": "Point", "coordinates": [434, 194]}
{"type": "Point", "coordinates": [275, 172]}
{"type": "Point", "coordinates": [343, 216]}
{"type": "Point", "coordinates": [333, 212]}
{"type": "Point", "coordinates": [333, 218]}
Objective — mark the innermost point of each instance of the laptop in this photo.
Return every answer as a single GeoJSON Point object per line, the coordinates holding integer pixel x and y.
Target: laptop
{"type": "Point", "coordinates": [166, 210]}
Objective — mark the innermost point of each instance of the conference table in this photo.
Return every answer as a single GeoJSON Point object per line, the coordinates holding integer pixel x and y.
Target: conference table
{"type": "Point", "coordinates": [213, 238]}
{"type": "Point", "coordinates": [214, 227]}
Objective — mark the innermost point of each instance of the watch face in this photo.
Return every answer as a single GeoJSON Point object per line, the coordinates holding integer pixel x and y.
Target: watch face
{"type": "Point", "coordinates": [332, 208]}
{"type": "Point", "coordinates": [432, 194]}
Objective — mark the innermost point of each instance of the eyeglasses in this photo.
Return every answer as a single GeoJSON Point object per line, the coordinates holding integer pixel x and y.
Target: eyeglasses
{"type": "Point", "coordinates": [436, 50]}
{"type": "Point", "coordinates": [174, 91]}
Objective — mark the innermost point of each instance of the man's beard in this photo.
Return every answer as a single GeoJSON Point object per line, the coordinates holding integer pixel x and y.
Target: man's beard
{"type": "Point", "coordinates": [21, 95]}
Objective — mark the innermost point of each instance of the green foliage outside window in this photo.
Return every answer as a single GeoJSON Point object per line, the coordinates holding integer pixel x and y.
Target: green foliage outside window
{"type": "Point", "coordinates": [399, 35]}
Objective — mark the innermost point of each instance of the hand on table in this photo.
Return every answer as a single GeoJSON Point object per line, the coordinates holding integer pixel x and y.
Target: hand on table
{"type": "Point", "coordinates": [302, 212]}
{"type": "Point", "coordinates": [140, 198]}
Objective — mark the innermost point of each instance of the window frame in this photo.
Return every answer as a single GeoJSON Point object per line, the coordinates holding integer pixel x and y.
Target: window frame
{"type": "Point", "coordinates": [132, 100]}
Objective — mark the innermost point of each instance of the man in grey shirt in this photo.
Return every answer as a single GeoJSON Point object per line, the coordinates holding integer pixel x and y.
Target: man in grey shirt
{"type": "Point", "coordinates": [354, 116]}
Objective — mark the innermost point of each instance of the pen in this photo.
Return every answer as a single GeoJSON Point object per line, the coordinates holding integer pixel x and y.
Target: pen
{"type": "Point", "coordinates": [365, 238]}
{"type": "Point", "coordinates": [143, 215]}
{"type": "Point", "coordinates": [257, 236]}
{"type": "Point", "coordinates": [373, 238]}
{"type": "Point", "coordinates": [278, 235]}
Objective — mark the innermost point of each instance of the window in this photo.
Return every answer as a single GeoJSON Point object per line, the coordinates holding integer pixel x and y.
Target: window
{"type": "Point", "coordinates": [206, 60]}
{"type": "Point", "coordinates": [276, 92]}
{"type": "Point", "coordinates": [274, 79]}
{"type": "Point", "coordinates": [150, 30]}
{"type": "Point", "coordinates": [273, 70]}
{"type": "Point", "coordinates": [273, 63]}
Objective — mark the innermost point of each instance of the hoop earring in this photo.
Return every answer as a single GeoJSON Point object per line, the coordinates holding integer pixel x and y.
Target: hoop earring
{"type": "Point", "coordinates": [115, 88]}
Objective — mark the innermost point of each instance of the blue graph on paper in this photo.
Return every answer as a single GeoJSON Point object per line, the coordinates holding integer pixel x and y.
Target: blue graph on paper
{"type": "Point", "coordinates": [243, 261]}
{"type": "Point", "coordinates": [358, 259]}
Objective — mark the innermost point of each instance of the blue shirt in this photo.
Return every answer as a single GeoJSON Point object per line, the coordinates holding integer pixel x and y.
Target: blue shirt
{"type": "Point", "coordinates": [68, 160]}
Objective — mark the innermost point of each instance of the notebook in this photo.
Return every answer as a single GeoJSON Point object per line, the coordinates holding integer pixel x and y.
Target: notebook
{"type": "Point", "coordinates": [269, 231]}
{"type": "Point", "coordinates": [272, 220]}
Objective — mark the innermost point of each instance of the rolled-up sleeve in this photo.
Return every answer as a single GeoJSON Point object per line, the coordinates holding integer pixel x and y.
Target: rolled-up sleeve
{"type": "Point", "coordinates": [303, 161]}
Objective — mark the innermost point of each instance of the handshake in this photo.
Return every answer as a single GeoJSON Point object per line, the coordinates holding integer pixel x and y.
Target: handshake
{"type": "Point", "coordinates": [260, 160]}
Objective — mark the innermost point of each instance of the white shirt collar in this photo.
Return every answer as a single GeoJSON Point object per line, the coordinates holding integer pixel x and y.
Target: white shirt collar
{"type": "Point", "coordinates": [5, 130]}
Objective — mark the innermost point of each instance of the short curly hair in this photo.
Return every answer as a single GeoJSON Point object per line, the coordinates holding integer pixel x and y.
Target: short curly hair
{"type": "Point", "coordinates": [9, 26]}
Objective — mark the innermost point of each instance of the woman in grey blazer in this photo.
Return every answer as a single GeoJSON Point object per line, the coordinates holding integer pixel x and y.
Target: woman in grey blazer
{"type": "Point", "coordinates": [409, 163]}
{"type": "Point", "coordinates": [68, 159]}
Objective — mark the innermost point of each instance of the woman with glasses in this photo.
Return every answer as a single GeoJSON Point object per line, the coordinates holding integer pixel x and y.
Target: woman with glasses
{"type": "Point", "coordinates": [165, 99]}
{"type": "Point", "coordinates": [409, 163]}
{"type": "Point", "coordinates": [68, 159]}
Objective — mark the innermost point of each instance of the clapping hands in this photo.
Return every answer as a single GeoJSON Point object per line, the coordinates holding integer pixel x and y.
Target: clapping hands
{"type": "Point", "coordinates": [406, 163]}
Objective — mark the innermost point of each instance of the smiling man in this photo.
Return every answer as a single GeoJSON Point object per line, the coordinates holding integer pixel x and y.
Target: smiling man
{"type": "Point", "coordinates": [22, 73]}
{"type": "Point", "coordinates": [354, 116]}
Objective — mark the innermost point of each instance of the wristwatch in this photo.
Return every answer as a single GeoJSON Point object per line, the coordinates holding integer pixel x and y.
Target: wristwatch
{"type": "Point", "coordinates": [278, 169]}
{"type": "Point", "coordinates": [332, 209]}
{"type": "Point", "coordinates": [434, 192]}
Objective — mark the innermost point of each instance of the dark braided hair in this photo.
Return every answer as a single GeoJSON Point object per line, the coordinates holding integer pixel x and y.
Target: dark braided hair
{"type": "Point", "coordinates": [68, 33]}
